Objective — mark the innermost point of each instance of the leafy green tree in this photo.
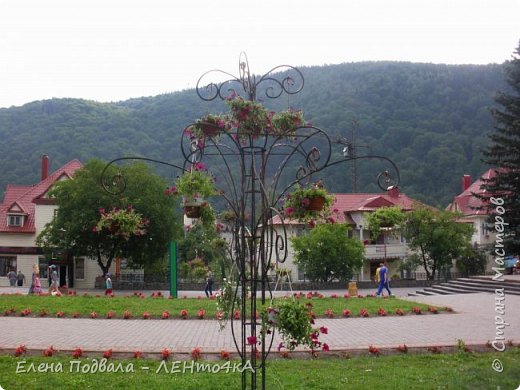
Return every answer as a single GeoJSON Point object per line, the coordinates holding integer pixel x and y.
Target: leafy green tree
{"type": "Point", "coordinates": [83, 203]}
{"type": "Point", "coordinates": [472, 262]}
{"type": "Point", "coordinates": [383, 219]}
{"type": "Point", "coordinates": [437, 238]}
{"type": "Point", "coordinates": [327, 253]}
{"type": "Point", "coordinates": [504, 155]}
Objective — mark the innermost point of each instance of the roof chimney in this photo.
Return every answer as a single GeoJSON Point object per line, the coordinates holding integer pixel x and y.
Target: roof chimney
{"type": "Point", "coordinates": [394, 192]}
{"type": "Point", "coordinates": [45, 166]}
{"type": "Point", "coordinates": [466, 182]}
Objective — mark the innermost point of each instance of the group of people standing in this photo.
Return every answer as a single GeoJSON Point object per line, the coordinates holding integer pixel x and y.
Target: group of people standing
{"type": "Point", "coordinates": [16, 279]}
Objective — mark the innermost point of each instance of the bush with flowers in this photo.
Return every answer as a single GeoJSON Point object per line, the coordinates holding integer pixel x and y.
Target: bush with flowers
{"type": "Point", "coordinates": [123, 223]}
{"type": "Point", "coordinates": [285, 123]}
{"type": "Point", "coordinates": [194, 185]}
{"type": "Point", "coordinates": [308, 203]}
{"type": "Point", "coordinates": [294, 323]}
{"type": "Point", "coordinates": [224, 301]}
{"type": "Point", "coordinates": [209, 126]}
{"type": "Point", "coordinates": [247, 116]}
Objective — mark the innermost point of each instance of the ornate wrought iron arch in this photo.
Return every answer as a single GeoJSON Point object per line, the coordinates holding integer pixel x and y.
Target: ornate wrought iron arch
{"type": "Point", "coordinates": [256, 171]}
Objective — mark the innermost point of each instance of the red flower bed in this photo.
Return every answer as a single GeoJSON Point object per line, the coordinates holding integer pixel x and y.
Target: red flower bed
{"type": "Point", "coordinates": [373, 350]}
{"type": "Point", "coordinates": [20, 350]}
{"type": "Point", "coordinates": [225, 355]}
{"type": "Point", "coordinates": [196, 353]}
{"type": "Point", "coordinates": [77, 353]}
{"type": "Point", "coordinates": [165, 354]}
{"type": "Point", "coordinates": [49, 351]}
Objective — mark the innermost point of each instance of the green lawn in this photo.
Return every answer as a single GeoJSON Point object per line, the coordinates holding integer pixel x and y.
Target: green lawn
{"type": "Point", "coordinates": [84, 305]}
{"type": "Point", "coordinates": [444, 371]}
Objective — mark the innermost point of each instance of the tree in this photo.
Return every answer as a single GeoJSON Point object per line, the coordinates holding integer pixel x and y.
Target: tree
{"type": "Point", "coordinates": [472, 262]}
{"type": "Point", "coordinates": [385, 219]}
{"type": "Point", "coordinates": [504, 154]}
{"type": "Point", "coordinates": [84, 224]}
{"type": "Point", "coordinates": [437, 238]}
{"type": "Point", "coordinates": [327, 253]}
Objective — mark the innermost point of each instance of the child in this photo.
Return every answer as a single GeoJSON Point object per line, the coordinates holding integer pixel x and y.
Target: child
{"type": "Point", "coordinates": [37, 285]}
{"type": "Point", "coordinates": [108, 284]}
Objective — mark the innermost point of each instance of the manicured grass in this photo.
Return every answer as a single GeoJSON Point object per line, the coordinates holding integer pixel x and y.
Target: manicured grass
{"type": "Point", "coordinates": [85, 305]}
{"type": "Point", "coordinates": [445, 371]}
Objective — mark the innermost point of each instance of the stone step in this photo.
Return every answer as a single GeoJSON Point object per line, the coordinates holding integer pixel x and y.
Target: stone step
{"type": "Point", "coordinates": [423, 293]}
{"type": "Point", "coordinates": [486, 282]}
{"type": "Point", "coordinates": [468, 285]}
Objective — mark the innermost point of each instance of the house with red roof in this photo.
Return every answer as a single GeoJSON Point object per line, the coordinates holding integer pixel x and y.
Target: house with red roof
{"type": "Point", "coordinates": [352, 209]}
{"type": "Point", "coordinates": [474, 208]}
{"type": "Point", "coordinates": [24, 212]}
{"type": "Point", "coordinates": [472, 203]}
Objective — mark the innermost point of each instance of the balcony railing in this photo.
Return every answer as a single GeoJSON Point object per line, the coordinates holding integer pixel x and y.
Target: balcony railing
{"type": "Point", "coordinates": [391, 250]}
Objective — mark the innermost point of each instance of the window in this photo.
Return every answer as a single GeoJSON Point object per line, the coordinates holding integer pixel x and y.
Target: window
{"type": "Point", "coordinates": [79, 270]}
{"type": "Point", "coordinates": [15, 220]}
{"type": "Point", "coordinates": [7, 264]}
{"type": "Point", "coordinates": [43, 263]}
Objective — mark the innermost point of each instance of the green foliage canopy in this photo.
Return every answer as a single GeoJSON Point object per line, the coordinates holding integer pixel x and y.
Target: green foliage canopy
{"type": "Point", "coordinates": [327, 253]}
{"type": "Point", "coordinates": [430, 119]}
{"type": "Point", "coordinates": [437, 237]}
{"type": "Point", "coordinates": [82, 201]}
{"type": "Point", "coordinates": [390, 218]}
{"type": "Point", "coordinates": [504, 154]}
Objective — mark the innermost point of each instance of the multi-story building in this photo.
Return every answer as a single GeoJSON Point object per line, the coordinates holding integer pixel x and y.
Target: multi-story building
{"type": "Point", "coordinates": [24, 212]}
{"type": "Point", "coordinates": [352, 209]}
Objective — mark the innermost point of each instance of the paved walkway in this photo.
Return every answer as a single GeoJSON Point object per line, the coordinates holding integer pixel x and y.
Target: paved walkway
{"type": "Point", "coordinates": [474, 323]}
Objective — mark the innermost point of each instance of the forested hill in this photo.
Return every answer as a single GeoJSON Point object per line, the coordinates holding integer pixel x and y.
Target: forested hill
{"type": "Point", "coordinates": [432, 120]}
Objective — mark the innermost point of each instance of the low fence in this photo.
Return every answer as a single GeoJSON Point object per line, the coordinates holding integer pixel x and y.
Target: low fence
{"type": "Point", "coordinates": [158, 282]}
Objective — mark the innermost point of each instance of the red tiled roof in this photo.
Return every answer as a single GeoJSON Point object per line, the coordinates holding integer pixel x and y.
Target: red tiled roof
{"type": "Point", "coordinates": [467, 203]}
{"type": "Point", "coordinates": [344, 204]}
{"type": "Point", "coordinates": [25, 197]}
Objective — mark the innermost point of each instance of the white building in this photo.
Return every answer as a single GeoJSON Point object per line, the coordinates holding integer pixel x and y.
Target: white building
{"type": "Point", "coordinates": [24, 212]}
{"type": "Point", "coordinates": [352, 209]}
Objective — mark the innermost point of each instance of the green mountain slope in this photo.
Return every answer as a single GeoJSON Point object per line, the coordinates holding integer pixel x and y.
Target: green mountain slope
{"type": "Point", "coordinates": [432, 120]}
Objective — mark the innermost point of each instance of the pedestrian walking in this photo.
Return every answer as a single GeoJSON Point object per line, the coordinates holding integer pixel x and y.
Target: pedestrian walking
{"type": "Point", "coordinates": [11, 275]}
{"type": "Point", "coordinates": [108, 284]}
{"type": "Point", "coordinates": [209, 283]}
{"type": "Point", "coordinates": [383, 280]}
{"type": "Point", "coordinates": [20, 278]}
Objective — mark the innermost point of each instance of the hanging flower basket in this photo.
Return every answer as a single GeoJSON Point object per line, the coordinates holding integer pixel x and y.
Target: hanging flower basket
{"type": "Point", "coordinates": [316, 203]}
{"type": "Point", "coordinates": [193, 207]}
{"type": "Point", "coordinates": [209, 130]}
{"type": "Point", "coordinates": [306, 203]}
{"type": "Point", "coordinates": [193, 211]}
{"type": "Point", "coordinates": [272, 315]}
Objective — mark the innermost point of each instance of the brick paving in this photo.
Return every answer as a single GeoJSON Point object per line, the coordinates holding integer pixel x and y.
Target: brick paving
{"type": "Point", "coordinates": [473, 322]}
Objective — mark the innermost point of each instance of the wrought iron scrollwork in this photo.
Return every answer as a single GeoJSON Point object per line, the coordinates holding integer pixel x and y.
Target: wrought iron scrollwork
{"type": "Point", "coordinates": [255, 172]}
{"type": "Point", "coordinates": [291, 82]}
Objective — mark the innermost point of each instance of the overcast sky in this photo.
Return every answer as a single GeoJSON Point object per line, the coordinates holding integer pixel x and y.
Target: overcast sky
{"type": "Point", "coordinates": [110, 50]}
